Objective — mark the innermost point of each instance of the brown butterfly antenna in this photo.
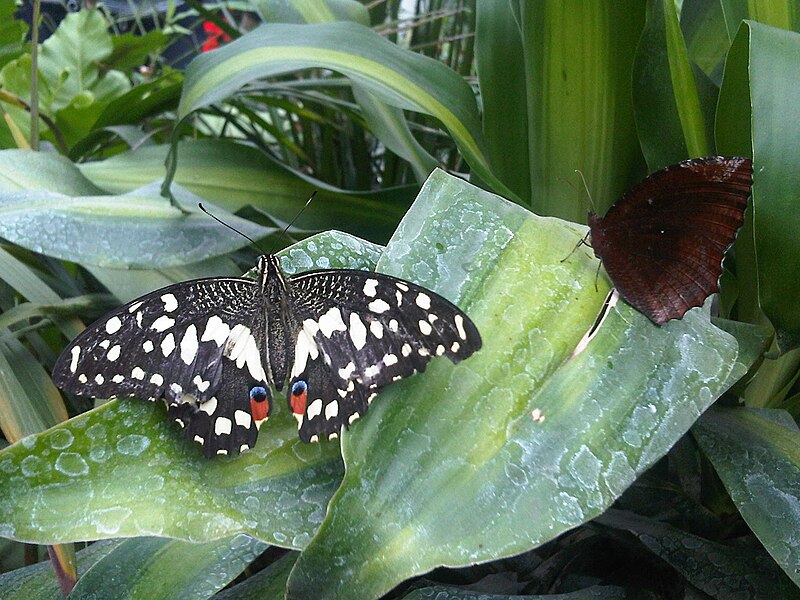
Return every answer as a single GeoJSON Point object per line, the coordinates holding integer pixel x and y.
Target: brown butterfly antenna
{"type": "Point", "coordinates": [586, 189]}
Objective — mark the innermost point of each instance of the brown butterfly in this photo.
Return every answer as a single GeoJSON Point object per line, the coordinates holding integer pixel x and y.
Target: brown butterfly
{"type": "Point", "coordinates": [663, 241]}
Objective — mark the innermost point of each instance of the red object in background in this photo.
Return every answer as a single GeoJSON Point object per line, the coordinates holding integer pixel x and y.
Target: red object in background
{"type": "Point", "coordinates": [213, 36]}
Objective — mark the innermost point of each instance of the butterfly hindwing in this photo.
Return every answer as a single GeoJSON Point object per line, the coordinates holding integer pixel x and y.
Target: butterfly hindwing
{"type": "Point", "coordinates": [359, 332]}
{"type": "Point", "coordinates": [228, 421]}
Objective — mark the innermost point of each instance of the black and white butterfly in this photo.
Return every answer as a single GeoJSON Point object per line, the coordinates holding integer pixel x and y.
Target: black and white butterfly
{"type": "Point", "coordinates": [212, 348]}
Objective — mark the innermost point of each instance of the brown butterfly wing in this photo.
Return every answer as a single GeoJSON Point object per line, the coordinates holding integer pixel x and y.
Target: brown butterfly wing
{"type": "Point", "coordinates": [662, 242]}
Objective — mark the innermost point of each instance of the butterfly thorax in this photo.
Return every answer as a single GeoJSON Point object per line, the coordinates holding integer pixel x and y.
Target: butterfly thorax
{"type": "Point", "coordinates": [278, 321]}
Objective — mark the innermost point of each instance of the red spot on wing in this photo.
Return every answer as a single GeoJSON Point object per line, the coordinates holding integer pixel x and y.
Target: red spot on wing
{"type": "Point", "coordinates": [259, 410]}
{"type": "Point", "coordinates": [298, 402]}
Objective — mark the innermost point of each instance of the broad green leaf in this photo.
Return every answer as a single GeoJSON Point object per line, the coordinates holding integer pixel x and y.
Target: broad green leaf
{"type": "Point", "coordinates": [124, 469]}
{"type": "Point", "coordinates": [233, 176]}
{"type": "Point", "coordinates": [70, 59]}
{"type": "Point", "coordinates": [669, 117]}
{"type": "Point", "coordinates": [502, 77]}
{"type": "Point", "coordinates": [22, 170]}
{"type": "Point", "coordinates": [398, 77]}
{"type": "Point", "coordinates": [37, 582]}
{"type": "Point", "coordinates": [72, 89]}
{"type": "Point", "coordinates": [161, 568]}
{"type": "Point", "coordinates": [267, 584]}
{"type": "Point", "coordinates": [722, 571]}
{"type": "Point", "coordinates": [139, 229]}
{"type": "Point", "coordinates": [534, 434]}
{"type": "Point", "coordinates": [757, 455]}
{"type": "Point", "coordinates": [759, 90]}
{"type": "Point", "coordinates": [578, 60]}
{"type": "Point", "coordinates": [12, 32]}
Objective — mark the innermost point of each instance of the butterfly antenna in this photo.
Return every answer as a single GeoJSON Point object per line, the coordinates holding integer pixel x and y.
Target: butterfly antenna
{"type": "Point", "coordinates": [292, 222]}
{"type": "Point", "coordinates": [586, 188]}
{"type": "Point", "coordinates": [221, 222]}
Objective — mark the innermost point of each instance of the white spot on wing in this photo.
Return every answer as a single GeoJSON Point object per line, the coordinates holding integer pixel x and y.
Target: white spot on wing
{"type": "Point", "coordinates": [148, 346]}
{"type": "Point", "coordinates": [76, 353]}
{"type": "Point", "coordinates": [118, 378]}
{"type": "Point", "coordinates": [82, 378]}
{"type": "Point", "coordinates": [401, 286]}
{"type": "Point", "coordinates": [156, 379]}
{"type": "Point", "coordinates": [462, 333]}
{"type": "Point", "coordinates": [189, 345]}
{"type": "Point", "coordinates": [352, 418]}
{"type": "Point", "coordinates": [137, 373]}
{"type": "Point", "coordinates": [216, 330]}
{"type": "Point", "coordinates": [393, 325]}
{"type": "Point", "coordinates": [134, 307]}
{"type": "Point", "coordinates": [314, 409]}
{"type": "Point", "coordinates": [222, 425]}
{"type": "Point", "coordinates": [370, 287]}
{"type": "Point", "coordinates": [170, 302]}
{"type": "Point", "coordinates": [202, 386]}
{"type": "Point", "coordinates": [199, 439]}
{"type": "Point", "coordinates": [376, 328]}
{"type": "Point", "coordinates": [358, 333]}
{"type": "Point", "coordinates": [389, 360]}
{"type": "Point", "coordinates": [99, 379]}
{"type": "Point", "coordinates": [168, 345]}
{"type": "Point", "coordinates": [113, 325]}
{"type": "Point", "coordinates": [241, 347]}
{"type": "Point", "coordinates": [378, 306]}
{"type": "Point", "coordinates": [331, 410]}
{"type": "Point", "coordinates": [243, 419]}
{"type": "Point", "coordinates": [405, 350]}
{"type": "Point", "coordinates": [114, 353]}
{"type": "Point", "coordinates": [162, 323]}
{"type": "Point", "coordinates": [423, 301]}
{"type": "Point", "coordinates": [105, 344]}
{"type": "Point", "coordinates": [425, 327]}
{"type": "Point", "coordinates": [347, 371]}
{"type": "Point", "coordinates": [209, 406]}
{"type": "Point", "coordinates": [331, 321]}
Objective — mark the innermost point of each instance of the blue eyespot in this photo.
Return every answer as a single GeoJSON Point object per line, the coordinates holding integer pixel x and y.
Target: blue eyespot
{"type": "Point", "coordinates": [258, 393]}
{"type": "Point", "coordinates": [299, 388]}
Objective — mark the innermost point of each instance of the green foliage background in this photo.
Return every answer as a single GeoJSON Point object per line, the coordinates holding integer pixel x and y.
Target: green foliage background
{"type": "Point", "coordinates": [643, 462]}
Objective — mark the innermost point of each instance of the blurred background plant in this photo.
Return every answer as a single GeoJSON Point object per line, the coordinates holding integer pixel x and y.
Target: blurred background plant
{"type": "Point", "coordinates": [361, 100]}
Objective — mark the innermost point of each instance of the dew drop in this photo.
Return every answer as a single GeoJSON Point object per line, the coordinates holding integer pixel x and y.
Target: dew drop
{"type": "Point", "coordinates": [133, 444]}
{"type": "Point", "coordinates": [72, 464]}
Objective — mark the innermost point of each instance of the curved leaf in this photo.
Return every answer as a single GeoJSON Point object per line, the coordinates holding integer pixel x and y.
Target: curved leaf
{"type": "Point", "coordinates": [232, 175]}
{"type": "Point", "coordinates": [398, 77]}
{"type": "Point", "coordinates": [159, 568]}
{"type": "Point", "coordinates": [757, 455]}
{"type": "Point", "coordinates": [722, 571]}
{"type": "Point", "coordinates": [140, 229]}
{"type": "Point", "coordinates": [759, 89]}
{"type": "Point", "coordinates": [533, 435]}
